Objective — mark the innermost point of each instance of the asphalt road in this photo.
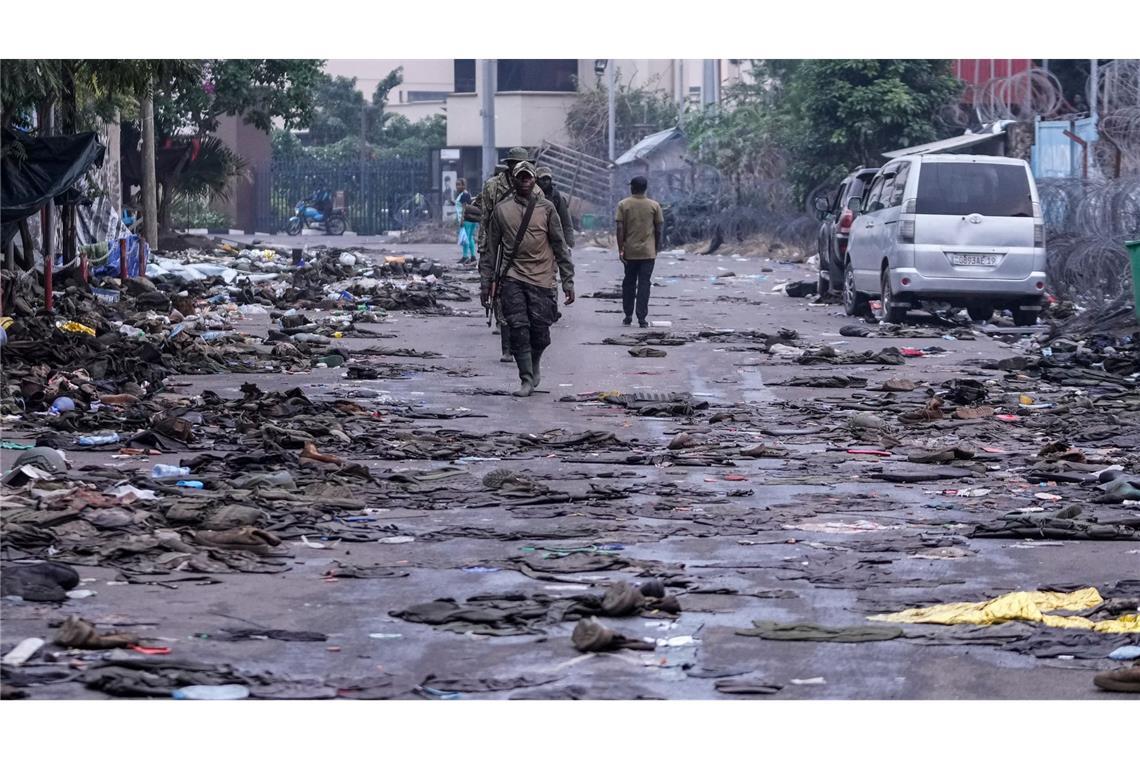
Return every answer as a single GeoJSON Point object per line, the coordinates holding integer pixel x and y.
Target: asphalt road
{"type": "Point", "coordinates": [750, 575]}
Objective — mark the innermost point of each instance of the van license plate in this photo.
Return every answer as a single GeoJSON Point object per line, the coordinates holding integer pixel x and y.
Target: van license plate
{"type": "Point", "coordinates": [973, 260]}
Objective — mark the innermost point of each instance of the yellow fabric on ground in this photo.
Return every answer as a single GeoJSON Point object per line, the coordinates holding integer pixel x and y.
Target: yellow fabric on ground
{"type": "Point", "coordinates": [1028, 606]}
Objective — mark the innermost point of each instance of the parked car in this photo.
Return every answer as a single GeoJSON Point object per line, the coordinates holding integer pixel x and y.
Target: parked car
{"type": "Point", "coordinates": [957, 229]}
{"type": "Point", "coordinates": [836, 218]}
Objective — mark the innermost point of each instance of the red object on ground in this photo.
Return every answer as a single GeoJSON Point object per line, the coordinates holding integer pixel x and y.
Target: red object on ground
{"type": "Point", "coordinates": [123, 259]}
{"type": "Point", "coordinates": [1007, 417]}
{"type": "Point", "coordinates": [149, 650]}
{"type": "Point", "coordinates": [912, 352]}
{"type": "Point", "coordinates": [49, 294]}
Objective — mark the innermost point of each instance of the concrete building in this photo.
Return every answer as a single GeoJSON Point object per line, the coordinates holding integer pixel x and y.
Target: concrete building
{"type": "Point", "coordinates": [532, 96]}
{"type": "Point", "coordinates": [533, 92]}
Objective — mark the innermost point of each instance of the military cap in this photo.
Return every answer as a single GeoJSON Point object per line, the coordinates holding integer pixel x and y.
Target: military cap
{"type": "Point", "coordinates": [544, 171]}
{"type": "Point", "coordinates": [523, 166]}
{"type": "Point", "coordinates": [518, 154]}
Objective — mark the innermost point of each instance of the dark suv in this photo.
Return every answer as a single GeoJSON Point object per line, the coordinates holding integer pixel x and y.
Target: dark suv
{"type": "Point", "coordinates": [836, 228]}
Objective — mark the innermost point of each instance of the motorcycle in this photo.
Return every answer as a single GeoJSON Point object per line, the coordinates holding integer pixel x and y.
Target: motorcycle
{"type": "Point", "coordinates": [306, 214]}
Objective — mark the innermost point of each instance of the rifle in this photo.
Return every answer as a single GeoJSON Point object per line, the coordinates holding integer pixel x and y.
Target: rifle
{"type": "Point", "coordinates": [501, 270]}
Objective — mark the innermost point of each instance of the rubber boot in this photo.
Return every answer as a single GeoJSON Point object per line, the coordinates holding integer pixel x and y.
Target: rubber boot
{"type": "Point", "coordinates": [526, 374]}
{"type": "Point", "coordinates": [535, 358]}
{"type": "Point", "coordinates": [505, 342]}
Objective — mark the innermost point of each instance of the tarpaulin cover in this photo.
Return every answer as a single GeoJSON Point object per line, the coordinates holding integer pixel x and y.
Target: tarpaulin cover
{"type": "Point", "coordinates": [111, 266]}
{"type": "Point", "coordinates": [47, 168]}
{"type": "Point", "coordinates": [50, 167]}
{"type": "Point", "coordinates": [1019, 605]}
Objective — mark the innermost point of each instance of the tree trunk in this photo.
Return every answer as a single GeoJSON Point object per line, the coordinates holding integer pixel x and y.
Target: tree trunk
{"type": "Point", "coordinates": [149, 187]}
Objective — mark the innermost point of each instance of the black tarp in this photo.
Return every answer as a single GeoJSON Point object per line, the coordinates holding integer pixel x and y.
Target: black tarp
{"type": "Point", "coordinates": [46, 168]}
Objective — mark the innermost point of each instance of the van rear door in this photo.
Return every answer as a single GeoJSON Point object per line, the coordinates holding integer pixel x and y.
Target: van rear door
{"type": "Point", "coordinates": [974, 220]}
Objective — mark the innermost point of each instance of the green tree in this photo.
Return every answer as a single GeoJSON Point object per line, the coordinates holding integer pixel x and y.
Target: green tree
{"type": "Point", "coordinates": [407, 139]}
{"type": "Point", "coordinates": [339, 108]}
{"type": "Point", "coordinates": [834, 115]}
{"type": "Point", "coordinates": [258, 90]}
{"type": "Point", "coordinates": [638, 112]}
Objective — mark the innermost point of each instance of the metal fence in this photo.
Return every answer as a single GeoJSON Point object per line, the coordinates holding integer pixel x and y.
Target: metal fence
{"type": "Point", "coordinates": [379, 195]}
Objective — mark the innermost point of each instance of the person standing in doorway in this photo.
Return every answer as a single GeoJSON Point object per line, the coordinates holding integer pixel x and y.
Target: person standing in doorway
{"type": "Point", "coordinates": [467, 229]}
{"type": "Point", "coordinates": [639, 224]}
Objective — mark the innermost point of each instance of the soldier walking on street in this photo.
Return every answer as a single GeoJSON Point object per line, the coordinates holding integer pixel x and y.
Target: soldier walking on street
{"type": "Point", "coordinates": [545, 181]}
{"type": "Point", "coordinates": [496, 189]}
{"type": "Point", "coordinates": [525, 250]}
{"type": "Point", "coordinates": [639, 224]}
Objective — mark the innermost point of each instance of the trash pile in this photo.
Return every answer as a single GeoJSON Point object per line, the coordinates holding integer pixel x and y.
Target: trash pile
{"type": "Point", "coordinates": [122, 339]}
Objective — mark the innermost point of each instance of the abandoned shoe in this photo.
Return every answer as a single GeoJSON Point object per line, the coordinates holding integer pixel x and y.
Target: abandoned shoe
{"type": "Point", "coordinates": [621, 600]}
{"type": "Point", "coordinates": [1124, 679]}
{"type": "Point", "coordinates": [526, 374]}
{"type": "Point", "coordinates": [591, 636]}
{"type": "Point", "coordinates": [76, 633]}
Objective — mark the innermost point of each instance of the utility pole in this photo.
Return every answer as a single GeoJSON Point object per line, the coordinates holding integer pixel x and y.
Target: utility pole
{"type": "Point", "coordinates": [611, 121]}
{"type": "Point", "coordinates": [149, 183]}
{"type": "Point", "coordinates": [708, 83]}
{"type": "Point", "coordinates": [488, 113]}
{"type": "Point", "coordinates": [1094, 87]}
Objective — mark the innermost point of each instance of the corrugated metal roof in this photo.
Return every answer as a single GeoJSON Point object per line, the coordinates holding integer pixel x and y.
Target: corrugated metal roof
{"type": "Point", "coordinates": [647, 146]}
{"type": "Point", "coordinates": [943, 146]}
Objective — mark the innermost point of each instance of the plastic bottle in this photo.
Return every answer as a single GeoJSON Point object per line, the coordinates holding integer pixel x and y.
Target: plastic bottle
{"type": "Point", "coordinates": [169, 471]}
{"type": "Point", "coordinates": [213, 335]}
{"type": "Point", "coordinates": [190, 483]}
{"type": "Point", "coordinates": [98, 440]}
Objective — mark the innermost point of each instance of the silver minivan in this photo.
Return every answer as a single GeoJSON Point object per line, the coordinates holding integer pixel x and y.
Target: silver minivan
{"type": "Point", "coordinates": [956, 229]}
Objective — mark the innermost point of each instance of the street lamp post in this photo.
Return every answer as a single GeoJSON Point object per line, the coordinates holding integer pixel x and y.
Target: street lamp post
{"type": "Point", "coordinates": [601, 65]}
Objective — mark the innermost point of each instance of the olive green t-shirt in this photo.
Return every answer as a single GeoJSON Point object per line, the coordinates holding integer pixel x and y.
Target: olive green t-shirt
{"type": "Point", "coordinates": [637, 215]}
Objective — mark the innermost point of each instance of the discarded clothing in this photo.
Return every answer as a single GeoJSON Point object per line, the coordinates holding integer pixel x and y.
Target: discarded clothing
{"type": "Point", "coordinates": [1019, 605]}
{"type": "Point", "coordinates": [851, 634]}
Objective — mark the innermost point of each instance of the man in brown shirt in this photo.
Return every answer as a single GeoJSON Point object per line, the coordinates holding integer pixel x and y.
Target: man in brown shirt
{"type": "Point", "coordinates": [639, 223]}
{"type": "Point", "coordinates": [524, 279]}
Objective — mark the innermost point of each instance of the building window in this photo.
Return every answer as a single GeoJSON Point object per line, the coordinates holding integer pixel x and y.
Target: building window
{"type": "Point", "coordinates": [465, 75]}
{"type": "Point", "coordinates": [426, 96]}
{"type": "Point", "coordinates": [538, 75]}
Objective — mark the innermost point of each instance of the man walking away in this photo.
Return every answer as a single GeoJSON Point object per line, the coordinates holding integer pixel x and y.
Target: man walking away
{"type": "Point", "coordinates": [639, 224]}
{"type": "Point", "coordinates": [467, 227]}
{"type": "Point", "coordinates": [525, 252]}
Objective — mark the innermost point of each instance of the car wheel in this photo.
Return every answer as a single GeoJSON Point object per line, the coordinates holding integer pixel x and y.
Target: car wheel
{"type": "Point", "coordinates": [889, 312]}
{"type": "Point", "coordinates": [1024, 318]}
{"type": "Point", "coordinates": [980, 312]}
{"type": "Point", "coordinates": [854, 302]}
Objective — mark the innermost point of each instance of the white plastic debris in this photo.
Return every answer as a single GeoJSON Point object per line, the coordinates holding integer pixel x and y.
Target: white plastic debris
{"type": "Point", "coordinates": [23, 651]}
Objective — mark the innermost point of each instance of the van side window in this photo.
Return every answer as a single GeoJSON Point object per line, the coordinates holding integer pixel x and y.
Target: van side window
{"type": "Point", "coordinates": [900, 185]}
{"type": "Point", "coordinates": [873, 194]}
